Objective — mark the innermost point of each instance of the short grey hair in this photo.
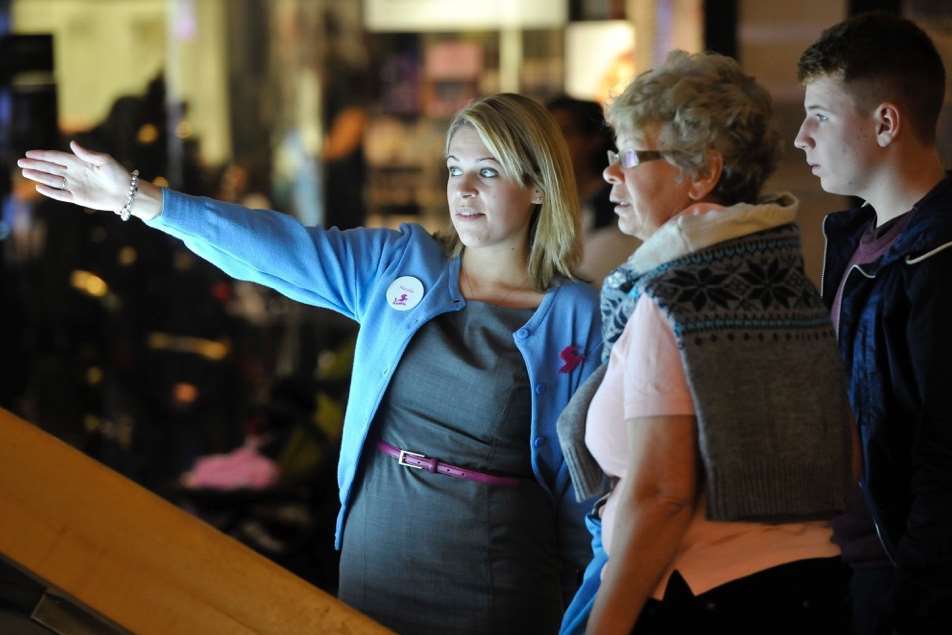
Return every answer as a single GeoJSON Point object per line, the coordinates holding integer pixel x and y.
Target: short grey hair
{"type": "Point", "coordinates": [704, 102]}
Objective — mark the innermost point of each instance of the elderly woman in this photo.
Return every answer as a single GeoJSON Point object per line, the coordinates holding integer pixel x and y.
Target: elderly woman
{"type": "Point", "coordinates": [721, 417]}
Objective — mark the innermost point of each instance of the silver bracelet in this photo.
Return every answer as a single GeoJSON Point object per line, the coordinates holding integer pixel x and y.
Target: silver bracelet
{"type": "Point", "coordinates": [125, 212]}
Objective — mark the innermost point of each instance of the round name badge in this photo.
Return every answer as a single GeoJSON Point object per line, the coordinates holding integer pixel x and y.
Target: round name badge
{"type": "Point", "coordinates": [404, 293]}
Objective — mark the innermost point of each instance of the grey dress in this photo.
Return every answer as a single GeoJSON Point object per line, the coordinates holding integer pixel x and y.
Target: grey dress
{"type": "Point", "coordinates": [427, 553]}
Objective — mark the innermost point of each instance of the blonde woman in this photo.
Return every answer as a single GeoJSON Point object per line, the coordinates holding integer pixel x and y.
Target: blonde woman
{"type": "Point", "coordinates": [456, 510]}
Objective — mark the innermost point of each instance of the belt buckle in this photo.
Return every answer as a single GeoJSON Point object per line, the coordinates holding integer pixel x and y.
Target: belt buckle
{"type": "Point", "coordinates": [405, 453]}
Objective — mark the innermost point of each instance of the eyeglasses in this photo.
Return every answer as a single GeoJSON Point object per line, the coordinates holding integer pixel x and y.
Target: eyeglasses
{"type": "Point", "coordinates": [632, 158]}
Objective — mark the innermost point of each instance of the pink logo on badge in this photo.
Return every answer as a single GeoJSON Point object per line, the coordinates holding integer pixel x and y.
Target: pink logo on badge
{"type": "Point", "coordinates": [404, 293]}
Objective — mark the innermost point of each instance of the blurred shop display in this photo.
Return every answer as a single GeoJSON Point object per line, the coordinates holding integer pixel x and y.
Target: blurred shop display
{"type": "Point", "coordinates": [432, 57]}
{"type": "Point", "coordinates": [28, 102]}
{"type": "Point", "coordinates": [423, 79]}
{"type": "Point", "coordinates": [597, 9]}
{"type": "Point", "coordinates": [452, 70]}
{"type": "Point", "coordinates": [28, 107]}
{"type": "Point", "coordinates": [223, 396]}
{"type": "Point", "coordinates": [441, 16]}
{"type": "Point", "coordinates": [599, 58]}
{"type": "Point", "coordinates": [120, 341]}
{"type": "Point", "coordinates": [276, 491]}
{"type": "Point", "coordinates": [936, 19]}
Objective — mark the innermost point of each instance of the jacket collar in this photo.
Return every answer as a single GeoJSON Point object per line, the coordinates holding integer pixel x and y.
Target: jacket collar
{"type": "Point", "coordinates": [705, 224]}
{"type": "Point", "coordinates": [929, 227]}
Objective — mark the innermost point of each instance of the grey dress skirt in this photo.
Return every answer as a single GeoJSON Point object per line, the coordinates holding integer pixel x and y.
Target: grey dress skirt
{"type": "Point", "coordinates": [427, 553]}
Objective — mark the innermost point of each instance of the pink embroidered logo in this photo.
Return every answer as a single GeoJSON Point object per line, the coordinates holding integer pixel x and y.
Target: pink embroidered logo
{"type": "Point", "coordinates": [571, 358]}
{"type": "Point", "coordinates": [401, 301]}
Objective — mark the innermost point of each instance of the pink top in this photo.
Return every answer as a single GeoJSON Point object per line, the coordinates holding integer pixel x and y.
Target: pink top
{"type": "Point", "coordinates": [645, 378]}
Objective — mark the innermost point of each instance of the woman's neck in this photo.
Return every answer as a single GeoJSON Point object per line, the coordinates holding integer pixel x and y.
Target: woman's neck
{"type": "Point", "coordinates": [499, 278]}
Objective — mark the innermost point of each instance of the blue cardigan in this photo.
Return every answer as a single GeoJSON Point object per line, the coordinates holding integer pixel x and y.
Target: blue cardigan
{"type": "Point", "coordinates": [350, 272]}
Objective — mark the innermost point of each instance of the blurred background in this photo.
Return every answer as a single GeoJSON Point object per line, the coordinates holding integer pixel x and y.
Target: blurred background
{"type": "Point", "coordinates": [222, 396]}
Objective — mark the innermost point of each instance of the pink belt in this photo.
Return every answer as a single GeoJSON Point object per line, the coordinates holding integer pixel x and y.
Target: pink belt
{"type": "Point", "coordinates": [419, 461]}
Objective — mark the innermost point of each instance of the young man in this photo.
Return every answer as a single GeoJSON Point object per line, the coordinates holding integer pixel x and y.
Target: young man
{"type": "Point", "coordinates": [874, 88]}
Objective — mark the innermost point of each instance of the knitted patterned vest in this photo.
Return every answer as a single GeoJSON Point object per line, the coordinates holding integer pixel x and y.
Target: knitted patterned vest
{"type": "Point", "coordinates": [761, 363]}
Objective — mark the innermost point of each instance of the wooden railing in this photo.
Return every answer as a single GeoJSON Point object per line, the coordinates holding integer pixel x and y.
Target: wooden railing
{"type": "Point", "coordinates": [137, 560]}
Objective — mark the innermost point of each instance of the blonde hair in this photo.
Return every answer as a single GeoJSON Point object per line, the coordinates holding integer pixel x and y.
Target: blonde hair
{"type": "Point", "coordinates": [704, 102]}
{"type": "Point", "coordinates": [527, 142]}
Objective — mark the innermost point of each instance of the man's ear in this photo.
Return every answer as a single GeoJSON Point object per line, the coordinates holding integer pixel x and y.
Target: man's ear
{"type": "Point", "coordinates": [888, 119]}
{"type": "Point", "coordinates": [704, 183]}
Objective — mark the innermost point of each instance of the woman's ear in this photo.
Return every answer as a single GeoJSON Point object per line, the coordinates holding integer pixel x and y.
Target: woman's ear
{"type": "Point", "coordinates": [707, 179]}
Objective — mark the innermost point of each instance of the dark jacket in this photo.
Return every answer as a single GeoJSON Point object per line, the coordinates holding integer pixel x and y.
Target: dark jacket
{"type": "Point", "coordinates": [895, 335]}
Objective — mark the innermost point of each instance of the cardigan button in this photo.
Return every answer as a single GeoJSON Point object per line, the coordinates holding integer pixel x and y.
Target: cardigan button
{"type": "Point", "coordinates": [539, 389]}
{"type": "Point", "coordinates": [522, 334]}
{"type": "Point", "coordinates": [538, 442]}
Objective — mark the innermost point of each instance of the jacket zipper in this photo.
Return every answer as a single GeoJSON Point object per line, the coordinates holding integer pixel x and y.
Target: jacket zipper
{"type": "Point", "coordinates": [871, 276]}
{"type": "Point", "coordinates": [826, 243]}
{"type": "Point", "coordinates": [875, 519]}
{"type": "Point", "coordinates": [879, 534]}
{"type": "Point", "coordinates": [912, 261]}
{"type": "Point", "coordinates": [868, 501]}
{"type": "Point", "coordinates": [873, 514]}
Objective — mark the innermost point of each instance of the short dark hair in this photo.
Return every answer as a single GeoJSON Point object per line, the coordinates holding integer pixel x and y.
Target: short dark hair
{"type": "Point", "coordinates": [882, 56]}
{"type": "Point", "coordinates": [588, 118]}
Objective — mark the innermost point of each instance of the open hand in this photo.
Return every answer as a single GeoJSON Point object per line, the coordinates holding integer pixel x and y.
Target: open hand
{"type": "Point", "coordinates": [90, 179]}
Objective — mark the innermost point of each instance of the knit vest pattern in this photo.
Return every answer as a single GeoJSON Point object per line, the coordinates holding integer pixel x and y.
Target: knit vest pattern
{"type": "Point", "coordinates": [761, 363]}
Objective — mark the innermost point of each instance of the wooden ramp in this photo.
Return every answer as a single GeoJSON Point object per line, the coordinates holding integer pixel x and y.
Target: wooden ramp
{"type": "Point", "coordinates": [138, 560]}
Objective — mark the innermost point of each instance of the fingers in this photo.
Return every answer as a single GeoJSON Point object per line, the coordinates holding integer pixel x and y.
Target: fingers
{"type": "Point", "coordinates": [52, 192]}
{"type": "Point", "coordinates": [96, 158]}
{"type": "Point", "coordinates": [38, 176]}
{"type": "Point", "coordinates": [63, 159]}
{"type": "Point", "coordinates": [80, 156]}
{"type": "Point", "coordinates": [42, 166]}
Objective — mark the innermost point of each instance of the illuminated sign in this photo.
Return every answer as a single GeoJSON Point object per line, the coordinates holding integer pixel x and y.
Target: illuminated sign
{"type": "Point", "coordinates": [460, 15]}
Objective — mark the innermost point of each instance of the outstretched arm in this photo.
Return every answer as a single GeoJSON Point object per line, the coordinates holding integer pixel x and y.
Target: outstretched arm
{"type": "Point", "coordinates": [90, 179]}
{"type": "Point", "coordinates": [330, 269]}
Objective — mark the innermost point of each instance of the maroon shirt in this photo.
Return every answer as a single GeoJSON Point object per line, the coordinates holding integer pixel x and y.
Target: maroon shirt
{"type": "Point", "coordinates": [875, 242]}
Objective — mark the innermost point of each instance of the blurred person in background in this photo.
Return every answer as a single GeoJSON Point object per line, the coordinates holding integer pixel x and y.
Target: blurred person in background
{"type": "Point", "coordinates": [604, 245]}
